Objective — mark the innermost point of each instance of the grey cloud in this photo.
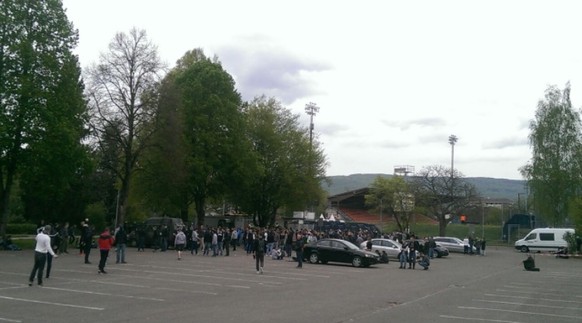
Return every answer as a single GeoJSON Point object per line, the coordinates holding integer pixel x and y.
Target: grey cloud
{"type": "Point", "coordinates": [507, 143]}
{"type": "Point", "coordinates": [420, 122]}
{"type": "Point", "coordinates": [261, 68]}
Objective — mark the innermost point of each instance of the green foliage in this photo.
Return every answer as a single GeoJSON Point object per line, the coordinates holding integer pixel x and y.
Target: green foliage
{"type": "Point", "coordinates": [554, 173]}
{"type": "Point", "coordinates": [392, 196]}
{"type": "Point", "coordinates": [21, 228]}
{"type": "Point", "coordinates": [570, 238]}
{"type": "Point", "coordinates": [96, 213]}
{"type": "Point", "coordinates": [41, 106]}
{"type": "Point", "coordinates": [288, 166]}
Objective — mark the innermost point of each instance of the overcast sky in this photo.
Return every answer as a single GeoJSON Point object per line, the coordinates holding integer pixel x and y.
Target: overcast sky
{"type": "Point", "coordinates": [393, 79]}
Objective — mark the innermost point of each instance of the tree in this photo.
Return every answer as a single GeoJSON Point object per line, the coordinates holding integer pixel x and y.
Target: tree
{"type": "Point", "coordinates": [441, 194]}
{"type": "Point", "coordinates": [393, 197]}
{"type": "Point", "coordinates": [554, 172]}
{"type": "Point", "coordinates": [289, 168]}
{"type": "Point", "coordinates": [37, 71]}
{"type": "Point", "coordinates": [200, 143]}
{"type": "Point", "coordinates": [122, 92]}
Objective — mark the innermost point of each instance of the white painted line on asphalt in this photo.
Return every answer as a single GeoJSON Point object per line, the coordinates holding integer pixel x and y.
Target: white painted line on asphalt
{"type": "Point", "coordinates": [473, 319]}
{"type": "Point", "coordinates": [186, 291]}
{"type": "Point", "coordinates": [531, 305]}
{"type": "Point", "coordinates": [530, 292]}
{"type": "Point", "coordinates": [517, 312]}
{"type": "Point", "coordinates": [105, 294]}
{"type": "Point", "coordinates": [51, 303]}
{"type": "Point", "coordinates": [201, 276]}
{"type": "Point", "coordinates": [3, 319]}
{"type": "Point", "coordinates": [238, 286]}
{"type": "Point", "coordinates": [533, 289]}
{"type": "Point", "coordinates": [534, 298]}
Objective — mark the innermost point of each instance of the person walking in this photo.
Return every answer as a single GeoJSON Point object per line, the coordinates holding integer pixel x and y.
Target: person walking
{"type": "Point", "coordinates": [195, 241]}
{"type": "Point", "coordinates": [299, 245]}
{"type": "Point", "coordinates": [54, 245]}
{"type": "Point", "coordinates": [86, 239]}
{"type": "Point", "coordinates": [64, 234]}
{"type": "Point", "coordinates": [227, 237]}
{"type": "Point", "coordinates": [120, 244]}
{"type": "Point", "coordinates": [180, 242]}
{"type": "Point", "coordinates": [105, 242]}
{"type": "Point", "coordinates": [42, 248]}
{"type": "Point", "coordinates": [259, 253]}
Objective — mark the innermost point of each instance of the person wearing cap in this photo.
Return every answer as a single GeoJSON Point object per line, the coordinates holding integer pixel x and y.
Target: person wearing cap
{"type": "Point", "coordinates": [43, 246]}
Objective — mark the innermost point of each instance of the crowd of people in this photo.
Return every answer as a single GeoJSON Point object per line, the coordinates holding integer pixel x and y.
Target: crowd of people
{"type": "Point", "coordinates": [278, 243]}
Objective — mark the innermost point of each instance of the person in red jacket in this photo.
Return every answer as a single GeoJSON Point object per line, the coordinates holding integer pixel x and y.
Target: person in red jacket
{"type": "Point", "coordinates": [105, 243]}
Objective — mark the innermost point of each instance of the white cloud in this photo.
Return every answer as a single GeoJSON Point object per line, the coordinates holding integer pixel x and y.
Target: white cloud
{"type": "Point", "coordinates": [392, 79]}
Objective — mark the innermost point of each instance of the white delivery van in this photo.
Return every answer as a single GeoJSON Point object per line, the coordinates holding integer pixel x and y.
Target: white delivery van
{"type": "Point", "coordinates": [543, 239]}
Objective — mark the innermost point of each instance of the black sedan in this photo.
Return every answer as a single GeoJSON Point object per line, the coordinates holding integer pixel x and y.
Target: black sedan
{"type": "Point", "coordinates": [337, 250]}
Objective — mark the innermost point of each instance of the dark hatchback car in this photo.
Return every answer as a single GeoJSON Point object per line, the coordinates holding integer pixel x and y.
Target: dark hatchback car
{"type": "Point", "coordinates": [337, 250]}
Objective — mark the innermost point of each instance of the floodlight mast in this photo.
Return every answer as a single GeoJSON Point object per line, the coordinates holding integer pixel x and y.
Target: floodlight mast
{"type": "Point", "coordinates": [311, 109]}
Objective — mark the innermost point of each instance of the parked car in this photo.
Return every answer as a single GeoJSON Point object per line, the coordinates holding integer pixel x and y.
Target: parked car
{"type": "Point", "coordinates": [453, 244]}
{"type": "Point", "coordinates": [391, 247]}
{"type": "Point", "coordinates": [440, 252]}
{"type": "Point", "coordinates": [337, 250]}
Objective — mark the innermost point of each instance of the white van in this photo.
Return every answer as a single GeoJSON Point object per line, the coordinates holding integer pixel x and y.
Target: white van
{"type": "Point", "coordinates": [543, 239]}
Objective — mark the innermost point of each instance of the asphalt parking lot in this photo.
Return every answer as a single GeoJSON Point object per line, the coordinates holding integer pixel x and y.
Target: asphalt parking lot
{"type": "Point", "coordinates": [156, 287]}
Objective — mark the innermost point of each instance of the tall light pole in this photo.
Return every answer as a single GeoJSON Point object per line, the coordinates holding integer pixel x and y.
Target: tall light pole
{"type": "Point", "coordinates": [453, 140]}
{"type": "Point", "coordinates": [311, 109]}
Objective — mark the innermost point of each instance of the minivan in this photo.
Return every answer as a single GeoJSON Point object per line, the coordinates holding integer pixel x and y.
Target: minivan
{"type": "Point", "coordinates": [544, 239]}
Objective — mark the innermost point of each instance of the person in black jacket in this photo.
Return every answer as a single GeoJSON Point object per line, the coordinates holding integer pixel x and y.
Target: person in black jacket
{"type": "Point", "coordinates": [260, 247]}
{"type": "Point", "coordinates": [413, 247]}
{"type": "Point", "coordinates": [121, 244]}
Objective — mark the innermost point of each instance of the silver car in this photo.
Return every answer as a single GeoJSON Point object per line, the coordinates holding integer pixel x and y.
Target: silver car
{"type": "Point", "coordinates": [391, 247]}
{"type": "Point", "coordinates": [452, 243]}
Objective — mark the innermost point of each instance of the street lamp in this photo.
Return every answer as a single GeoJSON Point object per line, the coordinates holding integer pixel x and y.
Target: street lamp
{"type": "Point", "coordinates": [311, 109]}
{"type": "Point", "coordinates": [453, 140]}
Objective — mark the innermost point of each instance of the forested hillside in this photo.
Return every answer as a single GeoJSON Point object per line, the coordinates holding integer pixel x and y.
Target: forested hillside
{"type": "Point", "coordinates": [487, 187]}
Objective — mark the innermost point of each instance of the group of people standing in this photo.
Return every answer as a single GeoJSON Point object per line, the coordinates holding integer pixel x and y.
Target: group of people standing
{"type": "Point", "coordinates": [48, 240]}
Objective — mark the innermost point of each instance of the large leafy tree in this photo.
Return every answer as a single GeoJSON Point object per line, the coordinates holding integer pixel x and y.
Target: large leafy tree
{"type": "Point", "coordinates": [41, 106]}
{"type": "Point", "coordinates": [289, 167]}
{"type": "Point", "coordinates": [200, 144]}
{"type": "Point", "coordinates": [392, 196]}
{"type": "Point", "coordinates": [554, 172]}
{"type": "Point", "coordinates": [122, 92]}
{"type": "Point", "coordinates": [442, 193]}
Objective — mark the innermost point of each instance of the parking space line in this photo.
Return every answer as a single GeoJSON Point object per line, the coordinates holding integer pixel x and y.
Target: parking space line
{"type": "Point", "coordinates": [534, 298]}
{"type": "Point", "coordinates": [105, 294]}
{"type": "Point", "coordinates": [473, 319]}
{"type": "Point", "coordinates": [530, 292]}
{"type": "Point", "coordinates": [531, 305]}
{"type": "Point", "coordinates": [517, 312]}
{"type": "Point", "coordinates": [3, 319]}
{"type": "Point", "coordinates": [52, 303]}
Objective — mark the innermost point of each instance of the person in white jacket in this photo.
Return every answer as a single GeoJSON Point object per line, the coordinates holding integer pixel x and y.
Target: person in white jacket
{"type": "Point", "coordinates": [43, 246]}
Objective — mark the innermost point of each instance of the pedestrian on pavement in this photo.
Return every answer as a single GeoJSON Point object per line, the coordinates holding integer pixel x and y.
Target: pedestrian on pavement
{"type": "Point", "coordinates": [259, 253]}
{"type": "Point", "coordinates": [180, 242]}
{"type": "Point", "coordinates": [105, 243]}
{"type": "Point", "coordinates": [299, 245]}
{"type": "Point", "coordinates": [120, 244]}
{"type": "Point", "coordinates": [43, 246]}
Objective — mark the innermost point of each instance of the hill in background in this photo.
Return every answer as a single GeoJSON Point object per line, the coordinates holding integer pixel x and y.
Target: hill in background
{"type": "Point", "coordinates": [487, 187]}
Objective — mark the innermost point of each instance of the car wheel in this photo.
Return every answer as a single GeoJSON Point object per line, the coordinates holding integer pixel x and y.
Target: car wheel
{"type": "Point", "coordinates": [524, 249]}
{"type": "Point", "coordinates": [357, 261]}
{"type": "Point", "coordinates": [313, 258]}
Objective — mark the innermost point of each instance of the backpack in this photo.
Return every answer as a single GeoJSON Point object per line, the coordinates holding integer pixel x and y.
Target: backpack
{"type": "Point", "coordinates": [261, 246]}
